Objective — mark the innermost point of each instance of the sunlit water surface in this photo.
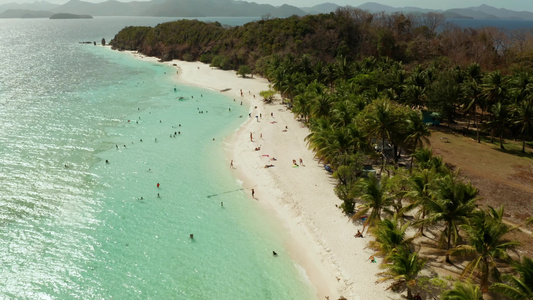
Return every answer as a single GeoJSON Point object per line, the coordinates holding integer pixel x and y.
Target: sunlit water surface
{"type": "Point", "coordinates": [75, 227]}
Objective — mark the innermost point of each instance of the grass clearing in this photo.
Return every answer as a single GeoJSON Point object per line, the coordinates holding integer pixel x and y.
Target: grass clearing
{"type": "Point", "coordinates": [503, 177]}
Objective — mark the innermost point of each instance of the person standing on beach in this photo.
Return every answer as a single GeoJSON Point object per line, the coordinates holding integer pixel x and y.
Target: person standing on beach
{"type": "Point", "coordinates": [231, 164]}
{"type": "Point", "coordinates": [251, 137]}
{"type": "Point", "coordinates": [253, 193]}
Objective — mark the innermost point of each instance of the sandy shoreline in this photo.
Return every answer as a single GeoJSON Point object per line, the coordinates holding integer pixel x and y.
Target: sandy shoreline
{"type": "Point", "coordinates": [302, 198]}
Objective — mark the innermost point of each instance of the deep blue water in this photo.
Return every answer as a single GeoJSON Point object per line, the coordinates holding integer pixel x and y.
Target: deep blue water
{"type": "Point", "coordinates": [501, 24]}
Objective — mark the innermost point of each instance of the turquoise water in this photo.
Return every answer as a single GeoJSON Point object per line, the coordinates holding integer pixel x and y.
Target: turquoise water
{"type": "Point", "coordinates": [75, 227]}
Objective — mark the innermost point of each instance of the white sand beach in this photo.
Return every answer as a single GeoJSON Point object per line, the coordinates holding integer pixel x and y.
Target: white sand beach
{"type": "Point", "coordinates": [321, 238]}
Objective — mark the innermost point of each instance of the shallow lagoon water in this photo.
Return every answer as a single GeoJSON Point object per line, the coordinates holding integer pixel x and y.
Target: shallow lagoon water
{"type": "Point", "coordinates": [74, 226]}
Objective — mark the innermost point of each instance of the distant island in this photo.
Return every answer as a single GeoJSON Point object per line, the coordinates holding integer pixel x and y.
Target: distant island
{"type": "Point", "coordinates": [69, 16]}
{"type": "Point", "coordinates": [230, 8]}
{"type": "Point", "coordinates": [24, 14]}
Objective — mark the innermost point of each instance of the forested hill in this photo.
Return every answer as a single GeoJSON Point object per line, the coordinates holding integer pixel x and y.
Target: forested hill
{"type": "Point", "coordinates": [321, 36]}
{"type": "Point", "coordinates": [349, 33]}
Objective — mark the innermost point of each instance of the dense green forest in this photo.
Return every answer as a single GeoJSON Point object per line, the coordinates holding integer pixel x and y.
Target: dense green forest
{"type": "Point", "coordinates": [360, 82]}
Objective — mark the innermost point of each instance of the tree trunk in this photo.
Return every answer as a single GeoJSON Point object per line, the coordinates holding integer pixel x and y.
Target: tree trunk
{"type": "Point", "coordinates": [383, 158]}
{"type": "Point", "coordinates": [423, 217]}
{"type": "Point", "coordinates": [524, 144]}
{"type": "Point", "coordinates": [475, 124]}
{"type": "Point", "coordinates": [480, 123]}
{"type": "Point", "coordinates": [449, 244]}
{"type": "Point", "coordinates": [501, 142]}
{"type": "Point", "coordinates": [485, 277]}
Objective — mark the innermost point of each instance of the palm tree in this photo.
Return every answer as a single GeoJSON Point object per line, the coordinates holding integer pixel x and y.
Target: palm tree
{"type": "Point", "coordinates": [472, 92]}
{"type": "Point", "coordinates": [343, 112]}
{"type": "Point", "coordinates": [414, 95]}
{"type": "Point", "coordinates": [301, 105]}
{"type": "Point", "coordinates": [321, 106]}
{"type": "Point", "coordinates": [521, 86]}
{"type": "Point", "coordinates": [463, 291]}
{"type": "Point", "coordinates": [493, 89]}
{"type": "Point", "coordinates": [348, 170]}
{"type": "Point", "coordinates": [425, 160]}
{"type": "Point", "coordinates": [453, 202]}
{"type": "Point", "coordinates": [343, 69]}
{"type": "Point", "coordinates": [417, 132]}
{"type": "Point", "coordinates": [421, 185]}
{"type": "Point", "coordinates": [375, 197]}
{"type": "Point", "coordinates": [329, 142]}
{"type": "Point", "coordinates": [381, 122]}
{"type": "Point", "coordinates": [403, 268]}
{"type": "Point", "coordinates": [389, 234]}
{"type": "Point", "coordinates": [524, 119]}
{"type": "Point", "coordinates": [486, 243]}
{"type": "Point", "coordinates": [499, 122]}
{"type": "Point", "coordinates": [518, 288]}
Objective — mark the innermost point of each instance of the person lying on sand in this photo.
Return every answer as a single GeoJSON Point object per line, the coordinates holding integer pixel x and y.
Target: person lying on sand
{"type": "Point", "coordinates": [268, 166]}
{"type": "Point", "coordinates": [358, 234]}
{"type": "Point", "coordinates": [257, 148]}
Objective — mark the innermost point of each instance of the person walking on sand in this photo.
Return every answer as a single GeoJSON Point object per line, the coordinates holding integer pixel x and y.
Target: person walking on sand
{"type": "Point", "coordinates": [301, 162]}
{"type": "Point", "coordinates": [231, 164]}
{"type": "Point", "coordinates": [253, 193]}
{"type": "Point", "coordinates": [251, 137]}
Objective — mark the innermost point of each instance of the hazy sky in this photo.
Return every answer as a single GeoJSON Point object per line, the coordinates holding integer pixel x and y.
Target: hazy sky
{"type": "Point", "coordinates": [517, 5]}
